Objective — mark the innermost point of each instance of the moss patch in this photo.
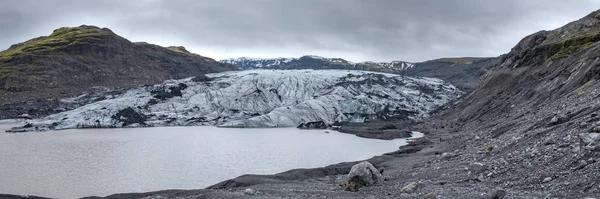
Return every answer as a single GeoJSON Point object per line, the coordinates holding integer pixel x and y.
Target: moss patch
{"type": "Point", "coordinates": [4, 71]}
{"type": "Point", "coordinates": [59, 39]}
{"type": "Point", "coordinates": [179, 49]}
{"type": "Point", "coordinates": [573, 43]}
{"type": "Point", "coordinates": [459, 60]}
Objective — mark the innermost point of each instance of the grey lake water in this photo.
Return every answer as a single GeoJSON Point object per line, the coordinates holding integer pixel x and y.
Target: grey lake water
{"type": "Point", "coordinates": [100, 162]}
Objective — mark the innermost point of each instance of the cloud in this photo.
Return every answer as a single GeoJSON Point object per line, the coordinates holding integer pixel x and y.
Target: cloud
{"type": "Point", "coordinates": [381, 30]}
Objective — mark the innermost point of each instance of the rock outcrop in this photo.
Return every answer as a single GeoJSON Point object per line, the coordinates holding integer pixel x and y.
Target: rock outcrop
{"type": "Point", "coordinates": [314, 125]}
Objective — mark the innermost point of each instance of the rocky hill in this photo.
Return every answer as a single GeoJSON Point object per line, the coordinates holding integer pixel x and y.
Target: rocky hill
{"type": "Point", "coordinates": [84, 59]}
{"type": "Point", "coordinates": [262, 98]}
{"type": "Point", "coordinates": [533, 126]}
{"type": "Point", "coordinates": [462, 72]}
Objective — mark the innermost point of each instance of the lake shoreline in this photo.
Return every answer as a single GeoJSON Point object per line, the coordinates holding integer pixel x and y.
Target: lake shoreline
{"type": "Point", "coordinates": [294, 174]}
{"type": "Point", "coordinates": [233, 188]}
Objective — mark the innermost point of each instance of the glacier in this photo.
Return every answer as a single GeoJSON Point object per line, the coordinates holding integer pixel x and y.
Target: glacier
{"type": "Point", "coordinates": [261, 98]}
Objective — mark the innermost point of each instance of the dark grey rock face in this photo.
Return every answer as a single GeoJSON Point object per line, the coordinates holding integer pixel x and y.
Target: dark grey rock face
{"type": "Point", "coordinates": [464, 73]}
{"type": "Point", "coordinates": [314, 125]}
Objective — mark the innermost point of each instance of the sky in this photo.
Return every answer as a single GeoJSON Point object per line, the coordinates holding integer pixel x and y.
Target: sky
{"type": "Point", "coordinates": [356, 30]}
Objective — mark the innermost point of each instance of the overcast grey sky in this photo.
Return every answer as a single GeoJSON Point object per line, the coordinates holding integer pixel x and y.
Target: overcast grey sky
{"type": "Point", "coordinates": [357, 30]}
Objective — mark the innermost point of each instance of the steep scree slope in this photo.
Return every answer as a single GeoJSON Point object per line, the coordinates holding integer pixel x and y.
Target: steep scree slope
{"type": "Point", "coordinates": [534, 122]}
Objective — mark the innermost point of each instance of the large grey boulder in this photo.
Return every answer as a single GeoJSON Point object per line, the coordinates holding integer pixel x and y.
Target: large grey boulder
{"type": "Point", "coordinates": [363, 174]}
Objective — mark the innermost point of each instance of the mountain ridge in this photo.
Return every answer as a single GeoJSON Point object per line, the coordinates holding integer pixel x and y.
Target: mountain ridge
{"type": "Point", "coordinates": [76, 60]}
{"type": "Point", "coordinates": [463, 72]}
{"type": "Point", "coordinates": [246, 63]}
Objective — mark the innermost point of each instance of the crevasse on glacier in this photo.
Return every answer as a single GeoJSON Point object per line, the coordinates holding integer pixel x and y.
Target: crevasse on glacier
{"type": "Point", "coordinates": [263, 98]}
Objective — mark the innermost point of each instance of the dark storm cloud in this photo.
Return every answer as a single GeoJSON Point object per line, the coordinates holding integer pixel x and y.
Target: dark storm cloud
{"type": "Point", "coordinates": [381, 30]}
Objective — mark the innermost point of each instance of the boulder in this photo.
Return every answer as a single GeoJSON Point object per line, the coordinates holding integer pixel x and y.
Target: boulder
{"type": "Point", "coordinates": [129, 116]}
{"type": "Point", "coordinates": [363, 174]}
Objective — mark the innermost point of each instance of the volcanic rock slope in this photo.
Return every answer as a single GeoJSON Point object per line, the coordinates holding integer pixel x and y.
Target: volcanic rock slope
{"type": "Point", "coordinates": [263, 98]}
{"type": "Point", "coordinates": [86, 59]}
{"type": "Point", "coordinates": [533, 123]}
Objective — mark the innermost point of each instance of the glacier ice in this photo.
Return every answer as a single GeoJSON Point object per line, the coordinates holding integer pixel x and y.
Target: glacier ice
{"type": "Point", "coordinates": [264, 98]}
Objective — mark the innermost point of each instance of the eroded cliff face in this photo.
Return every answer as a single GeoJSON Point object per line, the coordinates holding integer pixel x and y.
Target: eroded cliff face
{"type": "Point", "coordinates": [263, 98]}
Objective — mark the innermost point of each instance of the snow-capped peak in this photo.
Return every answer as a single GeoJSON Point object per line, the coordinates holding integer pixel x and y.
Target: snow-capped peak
{"type": "Point", "coordinates": [304, 62]}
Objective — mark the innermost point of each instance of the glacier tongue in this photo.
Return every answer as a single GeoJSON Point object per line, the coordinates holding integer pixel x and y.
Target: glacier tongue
{"type": "Point", "coordinates": [263, 98]}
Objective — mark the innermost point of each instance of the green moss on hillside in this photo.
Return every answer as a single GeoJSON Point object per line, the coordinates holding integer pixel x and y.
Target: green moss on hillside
{"type": "Point", "coordinates": [574, 43]}
{"type": "Point", "coordinates": [4, 71]}
{"type": "Point", "coordinates": [459, 60]}
{"type": "Point", "coordinates": [59, 39]}
{"type": "Point", "coordinates": [179, 49]}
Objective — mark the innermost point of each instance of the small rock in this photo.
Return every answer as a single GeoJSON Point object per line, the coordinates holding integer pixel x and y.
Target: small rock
{"type": "Point", "coordinates": [498, 194]}
{"type": "Point", "coordinates": [250, 191]}
{"type": "Point", "coordinates": [411, 187]}
{"type": "Point", "coordinates": [548, 179]}
{"type": "Point", "coordinates": [477, 138]}
{"type": "Point", "coordinates": [554, 120]}
{"type": "Point", "coordinates": [550, 140]}
{"type": "Point", "coordinates": [429, 196]}
{"type": "Point", "coordinates": [448, 155]}
{"type": "Point", "coordinates": [596, 129]}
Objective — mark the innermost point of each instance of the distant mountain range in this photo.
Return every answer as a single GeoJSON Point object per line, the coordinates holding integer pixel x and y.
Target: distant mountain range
{"type": "Point", "coordinates": [462, 72]}
{"type": "Point", "coordinates": [316, 62]}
